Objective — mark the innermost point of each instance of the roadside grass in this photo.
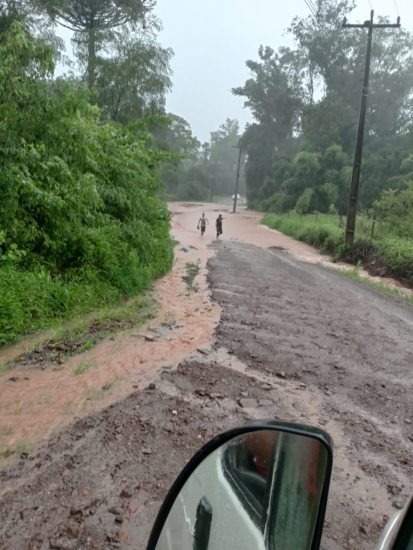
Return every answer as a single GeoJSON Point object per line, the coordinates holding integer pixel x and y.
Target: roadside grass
{"type": "Point", "coordinates": [376, 247]}
{"type": "Point", "coordinates": [32, 301]}
{"type": "Point", "coordinates": [82, 368]}
{"type": "Point", "coordinates": [23, 447]}
{"type": "Point", "coordinates": [192, 270]}
{"type": "Point", "coordinates": [319, 231]}
{"type": "Point", "coordinates": [398, 294]}
{"type": "Point", "coordinates": [20, 448]}
{"type": "Point", "coordinates": [35, 297]}
{"type": "Point", "coordinates": [83, 333]}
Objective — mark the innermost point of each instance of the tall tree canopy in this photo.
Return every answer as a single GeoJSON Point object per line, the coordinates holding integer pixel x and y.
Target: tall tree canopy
{"type": "Point", "coordinates": [223, 157]}
{"type": "Point", "coordinates": [81, 221]}
{"type": "Point", "coordinates": [94, 21]}
{"type": "Point", "coordinates": [307, 99]}
{"type": "Point", "coordinates": [133, 82]}
{"type": "Point", "coordinates": [274, 94]}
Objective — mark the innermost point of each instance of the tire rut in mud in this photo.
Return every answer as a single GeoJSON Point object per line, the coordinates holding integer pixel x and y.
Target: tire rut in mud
{"type": "Point", "coordinates": [347, 344]}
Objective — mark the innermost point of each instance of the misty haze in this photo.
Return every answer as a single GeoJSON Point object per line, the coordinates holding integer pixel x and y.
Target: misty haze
{"type": "Point", "coordinates": [206, 220]}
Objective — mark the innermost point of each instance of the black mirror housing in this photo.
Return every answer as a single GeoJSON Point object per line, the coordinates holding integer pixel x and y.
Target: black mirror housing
{"type": "Point", "coordinates": [288, 445]}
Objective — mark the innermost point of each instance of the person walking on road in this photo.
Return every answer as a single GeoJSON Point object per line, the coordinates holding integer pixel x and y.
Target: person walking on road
{"type": "Point", "coordinates": [218, 225]}
{"type": "Point", "coordinates": [202, 223]}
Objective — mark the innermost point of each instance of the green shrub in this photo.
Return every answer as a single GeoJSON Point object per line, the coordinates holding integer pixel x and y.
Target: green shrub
{"type": "Point", "coordinates": [81, 221]}
{"type": "Point", "coordinates": [398, 255]}
{"type": "Point", "coordinates": [321, 234]}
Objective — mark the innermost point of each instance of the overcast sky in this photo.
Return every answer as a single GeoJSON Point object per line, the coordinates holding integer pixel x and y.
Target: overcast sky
{"type": "Point", "coordinates": [213, 39]}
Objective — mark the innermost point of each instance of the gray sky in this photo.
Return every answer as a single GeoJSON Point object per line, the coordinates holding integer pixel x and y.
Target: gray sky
{"type": "Point", "coordinates": [212, 40]}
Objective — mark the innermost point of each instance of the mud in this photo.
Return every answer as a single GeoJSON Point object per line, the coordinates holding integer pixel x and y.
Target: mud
{"type": "Point", "coordinates": [44, 394]}
{"type": "Point", "coordinates": [352, 351]}
{"type": "Point", "coordinates": [52, 353]}
{"type": "Point", "coordinates": [100, 482]}
{"type": "Point", "coordinates": [294, 341]}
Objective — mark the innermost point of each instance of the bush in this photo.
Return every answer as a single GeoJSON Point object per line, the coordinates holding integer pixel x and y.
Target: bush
{"type": "Point", "coordinates": [30, 300]}
{"type": "Point", "coordinates": [322, 235]}
{"type": "Point", "coordinates": [398, 256]}
{"type": "Point", "coordinates": [81, 222]}
{"type": "Point", "coordinates": [275, 203]}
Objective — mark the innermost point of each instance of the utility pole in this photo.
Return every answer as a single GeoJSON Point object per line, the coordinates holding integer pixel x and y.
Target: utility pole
{"type": "Point", "coordinates": [213, 182]}
{"type": "Point", "coordinates": [239, 146]}
{"type": "Point", "coordinates": [352, 203]}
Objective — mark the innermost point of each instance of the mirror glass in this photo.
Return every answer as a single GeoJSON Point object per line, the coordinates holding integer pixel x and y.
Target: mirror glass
{"type": "Point", "coordinates": [260, 490]}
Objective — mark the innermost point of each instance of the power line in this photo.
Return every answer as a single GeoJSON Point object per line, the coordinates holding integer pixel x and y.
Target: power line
{"type": "Point", "coordinates": [397, 9]}
{"type": "Point", "coordinates": [371, 7]}
{"type": "Point", "coordinates": [315, 9]}
{"type": "Point", "coordinates": [309, 6]}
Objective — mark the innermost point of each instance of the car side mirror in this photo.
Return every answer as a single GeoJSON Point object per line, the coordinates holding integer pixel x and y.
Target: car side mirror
{"type": "Point", "coordinates": [261, 486]}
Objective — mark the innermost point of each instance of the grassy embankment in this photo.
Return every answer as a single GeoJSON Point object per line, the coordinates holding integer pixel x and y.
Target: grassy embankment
{"type": "Point", "coordinates": [382, 252]}
{"type": "Point", "coordinates": [33, 300]}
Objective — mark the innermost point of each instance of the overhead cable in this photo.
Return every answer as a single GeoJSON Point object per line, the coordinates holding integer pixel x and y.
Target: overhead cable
{"type": "Point", "coordinates": [397, 9]}
{"type": "Point", "coordinates": [315, 8]}
{"type": "Point", "coordinates": [309, 6]}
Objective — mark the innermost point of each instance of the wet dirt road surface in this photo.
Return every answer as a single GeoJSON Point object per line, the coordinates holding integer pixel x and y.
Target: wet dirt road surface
{"type": "Point", "coordinates": [292, 341]}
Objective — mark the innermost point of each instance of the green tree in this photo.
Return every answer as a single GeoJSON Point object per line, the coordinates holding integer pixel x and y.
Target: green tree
{"type": "Point", "coordinates": [298, 142]}
{"type": "Point", "coordinates": [304, 202]}
{"type": "Point", "coordinates": [331, 120]}
{"type": "Point", "coordinates": [306, 172]}
{"type": "Point", "coordinates": [336, 174]}
{"type": "Point", "coordinates": [274, 95]}
{"type": "Point", "coordinates": [395, 206]}
{"type": "Point", "coordinates": [337, 58]}
{"type": "Point", "coordinates": [406, 167]}
{"type": "Point", "coordinates": [76, 192]}
{"type": "Point", "coordinates": [174, 134]}
{"type": "Point", "coordinates": [133, 82]}
{"type": "Point", "coordinates": [325, 49]}
{"type": "Point", "coordinates": [95, 21]}
{"type": "Point", "coordinates": [13, 10]}
{"type": "Point", "coordinates": [223, 156]}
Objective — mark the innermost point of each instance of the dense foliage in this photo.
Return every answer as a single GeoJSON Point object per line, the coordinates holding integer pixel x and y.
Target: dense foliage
{"type": "Point", "coordinates": [305, 104]}
{"type": "Point", "coordinates": [95, 23]}
{"type": "Point", "coordinates": [81, 223]}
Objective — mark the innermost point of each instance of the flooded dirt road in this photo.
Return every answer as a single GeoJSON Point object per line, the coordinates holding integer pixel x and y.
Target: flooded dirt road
{"type": "Point", "coordinates": [274, 336]}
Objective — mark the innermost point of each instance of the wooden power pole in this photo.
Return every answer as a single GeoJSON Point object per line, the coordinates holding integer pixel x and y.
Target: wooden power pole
{"type": "Point", "coordinates": [352, 203]}
{"type": "Point", "coordinates": [239, 146]}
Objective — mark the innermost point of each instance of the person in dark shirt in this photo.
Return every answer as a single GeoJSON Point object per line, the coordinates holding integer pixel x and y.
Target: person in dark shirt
{"type": "Point", "coordinates": [218, 225]}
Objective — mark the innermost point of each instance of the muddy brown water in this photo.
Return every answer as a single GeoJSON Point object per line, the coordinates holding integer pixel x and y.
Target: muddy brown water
{"type": "Point", "coordinates": [311, 346]}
